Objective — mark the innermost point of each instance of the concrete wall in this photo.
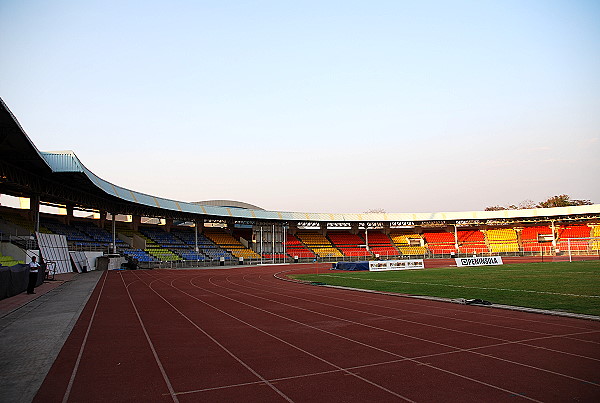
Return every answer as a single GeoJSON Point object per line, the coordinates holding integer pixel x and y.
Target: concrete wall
{"type": "Point", "coordinates": [91, 257]}
{"type": "Point", "coordinates": [8, 249]}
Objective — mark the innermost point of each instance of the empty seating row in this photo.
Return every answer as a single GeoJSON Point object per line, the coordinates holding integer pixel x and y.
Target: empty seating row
{"type": "Point", "coordinates": [313, 238]}
{"type": "Point", "coordinates": [574, 231]}
{"type": "Point", "coordinates": [319, 244]}
{"type": "Point", "coordinates": [188, 254]}
{"type": "Point", "coordinates": [568, 238]}
{"type": "Point", "coordinates": [295, 248]}
{"type": "Point", "coordinates": [502, 240]}
{"type": "Point", "coordinates": [440, 242]}
{"type": "Point", "coordinates": [324, 251]}
{"type": "Point", "coordinates": [406, 239]}
{"type": "Point", "coordinates": [595, 233]}
{"type": "Point", "coordinates": [21, 222]}
{"type": "Point", "coordinates": [138, 254]}
{"type": "Point", "coordinates": [532, 234]}
{"type": "Point", "coordinates": [161, 237]}
{"type": "Point", "coordinates": [9, 260]}
{"type": "Point", "coordinates": [413, 250]}
{"type": "Point", "coordinates": [381, 244]}
{"type": "Point", "coordinates": [439, 237]}
{"type": "Point", "coordinates": [162, 254]}
{"type": "Point", "coordinates": [349, 244]}
{"type": "Point", "coordinates": [70, 232]}
{"type": "Point", "coordinates": [228, 242]}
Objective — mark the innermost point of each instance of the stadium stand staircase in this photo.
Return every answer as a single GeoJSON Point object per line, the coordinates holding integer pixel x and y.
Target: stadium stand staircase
{"type": "Point", "coordinates": [348, 243]}
{"type": "Point", "coordinates": [165, 246]}
{"type": "Point", "coordinates": [141, 255]}
{"type": "Point", "coordinates": [440, 242]}
{"type": "Point", "coordinates": [100, 236]}
{"type": "Point", "coordinates": [409, 244]}
{"type": "Point", "coordinates": [226, 241]}
{"type": "Point", "coordinates": [471, 241]}
{"type": "Point", "coordinates": [295, 248]}
{"type": "Point", "coordinates": [319, 244]}
{"type": "Point", "coordinates": [381, 244]}
{"type": "Point", "coordinates": [206, 247]}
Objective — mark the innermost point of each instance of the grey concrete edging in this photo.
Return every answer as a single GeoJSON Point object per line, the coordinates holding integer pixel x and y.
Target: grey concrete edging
{"type": "Point", "coordinates": [32, 336]}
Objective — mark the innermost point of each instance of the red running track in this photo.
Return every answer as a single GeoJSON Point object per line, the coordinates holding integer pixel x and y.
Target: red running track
{"type": "Point", "coordinates": [243, 335]}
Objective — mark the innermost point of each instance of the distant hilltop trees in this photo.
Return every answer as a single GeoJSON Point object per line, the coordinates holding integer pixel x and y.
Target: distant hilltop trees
{"type": "Point", "coordinates": [554, 201]}
{"type": "Point", "coordinates": [376, 210]}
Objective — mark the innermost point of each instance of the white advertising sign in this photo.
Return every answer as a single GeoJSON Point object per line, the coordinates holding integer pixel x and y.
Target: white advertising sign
{"type": "Point", "coordinates": [478, 261]}
{"type": "Point", "coordinates": [382, 265]}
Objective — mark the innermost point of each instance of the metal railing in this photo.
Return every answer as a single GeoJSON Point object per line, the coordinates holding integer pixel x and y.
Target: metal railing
{"type": "Point", "coordinates": [592, 250]}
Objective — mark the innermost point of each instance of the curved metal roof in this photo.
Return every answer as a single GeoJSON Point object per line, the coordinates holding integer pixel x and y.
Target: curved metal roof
{"type": "Point", "coordinates": [64, 170]}
{"type": "Point", "coordinates": [229, 203]}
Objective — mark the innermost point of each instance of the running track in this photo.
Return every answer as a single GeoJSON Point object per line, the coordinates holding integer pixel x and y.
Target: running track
{"type": "Point", "coordinates": [242, 335]}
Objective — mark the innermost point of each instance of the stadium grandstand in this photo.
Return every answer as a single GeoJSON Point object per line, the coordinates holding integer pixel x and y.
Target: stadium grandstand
{"type": "Point", "coordinates": [153, 231]}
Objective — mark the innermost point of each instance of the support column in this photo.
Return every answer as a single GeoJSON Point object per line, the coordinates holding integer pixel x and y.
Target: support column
{"type": "Point", "coordinates": [69, 215]}
{"type": "Point", "coordinates": [168, 224]}
{"type": "Point", "coordinates": [323, 228]}
{"type": "Point", "coordinates": [284, 239]}
{"type": "Point", "coordinates": [34, 211]}
{"type": "Point", "coordinates": [102, 221]}
{"type": "Point", "coordinates": [136, 220]}
{"type": "Point", "coordinates": [114, 233]}
{"type": "Point", "coordinates": [197, 249]}
{"type": "Point", "coordinates": [261, 243]}
{"type": "Point", "coordinates": [230, 225]}
{"type": "Point", "coordinates": [553, 236]}
{"type": "Point", "coordinates": [456, 238]}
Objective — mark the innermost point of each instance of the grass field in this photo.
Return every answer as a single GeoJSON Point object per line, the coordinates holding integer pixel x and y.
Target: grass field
{"type": "Point", "coordinates": [564, 286]}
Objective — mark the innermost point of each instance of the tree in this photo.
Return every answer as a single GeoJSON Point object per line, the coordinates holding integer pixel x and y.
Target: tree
{"type": "Point", "coordinates": [554, 201]}
{"type": "Point", "coordinates": [376, 210]}
{"type": "Point", "coordinates": [495, 208]}
{"type": "Point", "coordinates": [525, 204]}
{"type": "Point", "coordinates": [563, 201]}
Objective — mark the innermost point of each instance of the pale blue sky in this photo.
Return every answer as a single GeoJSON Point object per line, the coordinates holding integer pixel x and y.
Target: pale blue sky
{"type": "Point", "coordinates": [319, 106]}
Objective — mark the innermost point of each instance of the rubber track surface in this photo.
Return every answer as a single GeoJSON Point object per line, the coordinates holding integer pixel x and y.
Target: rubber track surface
{"type": "Point", "coordinates": [244, 335]}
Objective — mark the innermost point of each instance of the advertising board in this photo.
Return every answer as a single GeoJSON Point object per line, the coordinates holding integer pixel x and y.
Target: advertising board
{"type": "Point", "coordinates": [478, 261]}
{"type": "Point", "coordinates": [383, 265]}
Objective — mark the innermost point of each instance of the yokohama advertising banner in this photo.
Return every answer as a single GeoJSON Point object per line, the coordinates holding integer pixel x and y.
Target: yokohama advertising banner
{"type": "Point", "coordinates": [479, 261]}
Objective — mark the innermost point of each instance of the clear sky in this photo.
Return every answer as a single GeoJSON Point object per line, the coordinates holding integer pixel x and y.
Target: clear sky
{"type": "Point", "coordinates": [316, 106]}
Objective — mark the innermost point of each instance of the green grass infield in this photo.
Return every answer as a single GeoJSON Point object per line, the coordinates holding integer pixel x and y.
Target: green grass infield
{"type": "Point", "coordinates": [561, 286]}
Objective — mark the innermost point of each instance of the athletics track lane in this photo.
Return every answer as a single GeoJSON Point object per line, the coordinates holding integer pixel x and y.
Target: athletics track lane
{"type": "Point", "coordinates": [243, 335]}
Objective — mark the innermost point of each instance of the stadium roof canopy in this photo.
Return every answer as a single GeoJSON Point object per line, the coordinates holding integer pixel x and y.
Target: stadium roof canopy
{"type": "Point", "coordinates": [61, 178]}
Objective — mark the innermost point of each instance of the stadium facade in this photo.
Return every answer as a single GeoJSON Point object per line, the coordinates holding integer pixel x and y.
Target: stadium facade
{"type": "Point", "coordinates": [61, 179]}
